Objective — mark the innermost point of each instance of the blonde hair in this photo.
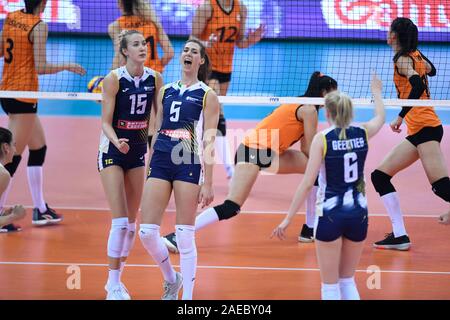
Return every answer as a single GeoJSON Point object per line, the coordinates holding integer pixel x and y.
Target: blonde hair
{"type": "Point", "coordinates": [340, 110]}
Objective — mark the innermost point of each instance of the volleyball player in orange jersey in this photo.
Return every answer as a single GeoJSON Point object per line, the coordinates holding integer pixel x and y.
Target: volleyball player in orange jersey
{"type": "Point", "coordinates": [221, 25]}
{"type": "Point", "coordinates": [425, 131]}
{"type": "Point", "coordinates": [139, 15]}
{"type": "Point", "coordinates": [267, 148]}
{"type": "Point", "coordinates": [23, 47]}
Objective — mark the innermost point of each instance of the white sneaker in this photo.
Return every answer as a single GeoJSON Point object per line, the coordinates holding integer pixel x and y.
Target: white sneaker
{"type": "Point", "coordinates": [171, 290]}
{"type": "Point", "coordinates": [118, 292]}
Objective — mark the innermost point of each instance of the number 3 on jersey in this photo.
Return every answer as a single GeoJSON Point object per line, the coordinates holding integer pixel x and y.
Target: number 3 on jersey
{"type": "Point", "coordinates": [350, 167]}
{"type": "Point", "coordinates": [175, 111]}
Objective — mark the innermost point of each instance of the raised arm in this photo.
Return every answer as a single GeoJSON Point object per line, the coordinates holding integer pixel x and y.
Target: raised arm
{"type": "Point", "coordinates": [211, 118]}
{"type": "Point", "coordinates": [312, 170]}
{"type": "Point", "coordinates": [39, 38]}
{"type": "Point", "coordinates": [376, 123]}
{"type": "Point", "coordinates": [253, 37]}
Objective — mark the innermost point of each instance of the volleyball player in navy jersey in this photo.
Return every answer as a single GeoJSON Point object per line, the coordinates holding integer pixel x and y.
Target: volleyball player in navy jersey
{"type": "Point", "coordinates": [186, 118]}
{"type": "Point", "coordinates": [338, 155]}
{"type": "Point", "coordinates": [128, 94]}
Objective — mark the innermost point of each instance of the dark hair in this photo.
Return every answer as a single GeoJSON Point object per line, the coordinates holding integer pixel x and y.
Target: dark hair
{"type": "Point", "coordinates": [205, 68]}
{"type": "Point", "coordinates": [407, 35]}
{"type": "Point", "coordinates": [319, 82]}
{"type": "Point", "coordinates": [128, 6]}
{"type": "Point", "coordinates": [31, 5]}
{"type": "Point", "coordinates": [123, 38]}
{"type": "Point", "coordinates": [5, 137]}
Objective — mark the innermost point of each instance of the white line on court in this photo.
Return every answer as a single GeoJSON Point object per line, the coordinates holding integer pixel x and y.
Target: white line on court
{"type": "Point", "coordinates": [244, 212]}
{"type": "Point", "coordinates": [59, 264]}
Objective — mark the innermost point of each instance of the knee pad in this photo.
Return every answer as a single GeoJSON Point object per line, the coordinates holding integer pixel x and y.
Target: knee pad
{"type": "Point", "coordinates": [129, 239]}
{"type": "Point", "coordinates": [382, 182]}
{"type": "Point", "coordinates": [117, 236]}
{"type": "Point", "coordinates": [222, 125]}
{"type": "Point", "coordinates": [12, 166]}
{"type": "Point", "coordinates": [442, 188]}
{"type": "Point", "coordinates": [37, 157]}
{"type": "Point", "coordinates": [227, 210]}
{"type": "Point", "coordinates": [186, 240]}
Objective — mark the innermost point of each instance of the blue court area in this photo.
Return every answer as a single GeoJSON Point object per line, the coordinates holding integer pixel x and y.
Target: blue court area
{"type": "Point", "coordinates": [267, 69]}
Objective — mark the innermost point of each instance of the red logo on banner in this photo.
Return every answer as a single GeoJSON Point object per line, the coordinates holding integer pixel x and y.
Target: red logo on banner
{"type": "Point", "coordinates": [375, 14]}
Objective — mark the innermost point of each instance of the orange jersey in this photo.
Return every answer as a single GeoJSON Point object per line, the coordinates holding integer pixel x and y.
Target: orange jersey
{"type": "Point", "coordinates": [418, 117]}
{"type": "Point", "coordinates": [151, 35]}
{"type": "Point", "coordinates": [19, 71]}
{"type": "Point", "coordinates": [278, 131]}
{"type": "Point", "coordinates": [227, 27]}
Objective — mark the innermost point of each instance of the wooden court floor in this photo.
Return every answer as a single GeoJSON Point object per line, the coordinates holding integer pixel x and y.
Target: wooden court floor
{"type": "Point", "coordinates": [236, 259]}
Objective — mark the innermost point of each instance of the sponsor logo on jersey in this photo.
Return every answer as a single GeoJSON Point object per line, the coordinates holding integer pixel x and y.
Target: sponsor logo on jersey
{"type": "Point", "coordinates": [131, 125]}
{"type": "Point", "coordinates": [177, 134]}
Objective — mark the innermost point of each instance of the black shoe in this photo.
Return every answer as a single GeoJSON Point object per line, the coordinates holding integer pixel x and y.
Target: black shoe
{"type": "Point", "coordinates": [306, 235]}
{"type": "Point", "coordinates": [48, 217]}
{"type": "Point", "coordinates": [10, 228]}
{"type": "Point", "coordinates": [170, 241]}
{"type": "Point", "coordinates": [392, 243]}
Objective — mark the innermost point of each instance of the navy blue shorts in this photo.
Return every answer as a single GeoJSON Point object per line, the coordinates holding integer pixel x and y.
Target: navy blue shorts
{"type": "Point", "coordinates": [133, 159]}
{"type": "Point", "coordinates": [162, 167]}
{"type": "Point", "coordinates": [333, 225]}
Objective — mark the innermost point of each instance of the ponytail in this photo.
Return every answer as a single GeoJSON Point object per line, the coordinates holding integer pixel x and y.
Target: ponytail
{"type": "Point", "coordinates": [319, 83]}
{"type": "Point", "coordinates": [31, 5]}
{"type": "Point", "coordinates": [340, 110]}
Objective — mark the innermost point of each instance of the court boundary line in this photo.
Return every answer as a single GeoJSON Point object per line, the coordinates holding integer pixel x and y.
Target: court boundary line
{"type": "Point", "coordinates": [242, 212]}
{"type": "Point", "coordinates": [368, 271]}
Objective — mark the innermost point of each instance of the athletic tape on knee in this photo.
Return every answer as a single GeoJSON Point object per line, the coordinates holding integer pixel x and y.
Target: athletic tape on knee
{"type": "Point", "coordinates": [117, 236]}
{"type": "Point", "coordinates": [37, 157]}
{"type": "Point", "coordinates": [222, 125]}
{"type": "Point", "coordinates": [129, 239]}
{"type": "Point", "coordinates": [442, 188]}
{"type": "Point", "coordinates": [12, 166]}
{"type": "Point", "coordinates": [186, 240]}
{"type": "Point", "coordinates": [382, 182]}
{"type": "Point", "coordinates": [227, 210]}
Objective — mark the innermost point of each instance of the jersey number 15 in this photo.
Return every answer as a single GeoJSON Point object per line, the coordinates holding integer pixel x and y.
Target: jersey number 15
{"type": "Point", "coordinates": [139, 107]}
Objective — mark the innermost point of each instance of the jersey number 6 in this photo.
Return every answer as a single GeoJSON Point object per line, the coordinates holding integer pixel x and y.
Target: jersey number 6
{"type": "Point", "coordinates": [350, 167]}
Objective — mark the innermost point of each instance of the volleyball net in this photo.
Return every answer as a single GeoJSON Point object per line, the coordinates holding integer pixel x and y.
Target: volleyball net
{"type": "Point", "coordinates": [345, 39]}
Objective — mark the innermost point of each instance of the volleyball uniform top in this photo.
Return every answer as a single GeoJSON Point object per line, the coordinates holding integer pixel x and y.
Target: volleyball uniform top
{"type": "Point", "coordinates": [227, 27]}
{"type": "Point", "coordinates": [418, 117]}
{"type": "Point", "coordinates": [182, 117]}
{"type": "Point", "coordinates": [19, 71]}
{"type": "Point", "coordinates": [278, 131]}
{"type": "Point", "coordinates": [150, 31]}
{"type": "Point", "coordinates": [132, 108]}
{"type": "Point", "coordinates": [341, 176]}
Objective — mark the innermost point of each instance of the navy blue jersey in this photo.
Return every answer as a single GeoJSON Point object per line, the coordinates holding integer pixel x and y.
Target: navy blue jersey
{"type": "Point", "coordinates": [182, 124]}
{"type": "Point", "coordinates": [341, 178]}
{"type": "Point", "coordinates": [132, 109]}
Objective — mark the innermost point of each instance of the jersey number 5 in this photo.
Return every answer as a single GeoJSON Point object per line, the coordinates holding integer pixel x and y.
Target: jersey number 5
{"type": "Point", "coordinates": [141, 103]}
{"type": "Point", "coordinates": [175, 111]}
{"type": "Point", "coordinates": [350, 167]}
